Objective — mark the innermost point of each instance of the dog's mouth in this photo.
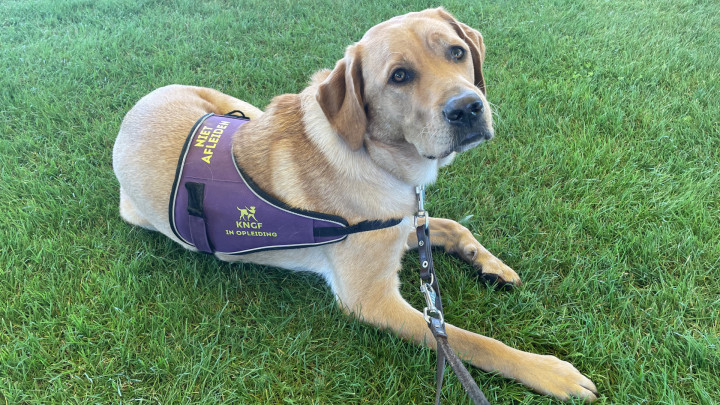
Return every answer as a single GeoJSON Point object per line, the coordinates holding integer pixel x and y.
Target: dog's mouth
{"type": "Point", "coordinates": [469, 142]}
{"type": "Point", "coordinates": [441, 156]}
{"type": "Point", "coordinates": [475, 139]}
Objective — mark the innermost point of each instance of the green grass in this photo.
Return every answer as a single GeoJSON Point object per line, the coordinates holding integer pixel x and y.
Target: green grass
{"type": "Point", "coordinates": [602, 189]}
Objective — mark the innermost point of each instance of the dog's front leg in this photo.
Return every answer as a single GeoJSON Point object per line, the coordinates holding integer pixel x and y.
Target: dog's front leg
{"type": "Point", "coordinates": [366, 284]}
{"type": "Point", "coordinates": [455, 238]}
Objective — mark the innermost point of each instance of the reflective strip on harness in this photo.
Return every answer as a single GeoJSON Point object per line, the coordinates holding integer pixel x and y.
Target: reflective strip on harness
{"type": "Point", "coordinates": [217, 209]}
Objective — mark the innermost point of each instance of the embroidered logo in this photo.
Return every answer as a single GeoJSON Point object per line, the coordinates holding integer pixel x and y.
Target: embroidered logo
{"type": "Point", "coordinates": [248, 221]}
{"type": "Point", "coordinates": [247, 213]}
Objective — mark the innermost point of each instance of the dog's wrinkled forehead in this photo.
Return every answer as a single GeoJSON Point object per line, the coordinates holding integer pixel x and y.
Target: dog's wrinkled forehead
{"type": "Point", "coordinates": [427, 27]}
{"type": "Point", "coordinates": [406, 20]}
{"type": "Point", "coordinates": [411, 41]}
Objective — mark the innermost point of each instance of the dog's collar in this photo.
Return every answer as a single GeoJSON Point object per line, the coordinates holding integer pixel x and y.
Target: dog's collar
{"type": "Point", "coordinates": [217, 208]}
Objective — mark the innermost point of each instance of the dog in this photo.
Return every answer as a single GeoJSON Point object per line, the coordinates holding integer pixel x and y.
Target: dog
{"type": "Point", "coordinates": [401, 103]}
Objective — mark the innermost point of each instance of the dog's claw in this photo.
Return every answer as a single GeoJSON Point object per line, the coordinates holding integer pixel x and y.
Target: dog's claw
{"type": "Point", "coordinates": [495, 281]}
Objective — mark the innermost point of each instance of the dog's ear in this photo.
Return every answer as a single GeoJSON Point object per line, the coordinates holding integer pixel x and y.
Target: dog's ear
{"type": "Point", "coordinates": [474, 41]}
{"type": "Point", "coordinates": [341, 97]}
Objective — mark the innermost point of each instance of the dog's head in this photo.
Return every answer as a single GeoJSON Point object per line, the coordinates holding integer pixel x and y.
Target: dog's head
{"type": "Point", "coordinates": [414, 86]}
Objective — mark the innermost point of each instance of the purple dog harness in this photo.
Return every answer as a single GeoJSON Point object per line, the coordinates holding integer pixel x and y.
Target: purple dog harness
{"type": "Point", "coordinates": [215, 207]}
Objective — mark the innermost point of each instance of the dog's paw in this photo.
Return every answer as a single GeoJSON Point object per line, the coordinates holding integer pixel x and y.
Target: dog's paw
{"type": "Point", "coordinates": [551, 376]}
{"type": "Point", "coordinates": [489, 268]}
{"type": "Point", "coordinates": [498, 274]}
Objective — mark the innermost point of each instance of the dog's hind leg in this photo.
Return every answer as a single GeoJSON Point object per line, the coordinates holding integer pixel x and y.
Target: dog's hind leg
{"type": "Point", "coordinates": [130, 214]}
{"type": "Point", "coordinates": [455, 238]}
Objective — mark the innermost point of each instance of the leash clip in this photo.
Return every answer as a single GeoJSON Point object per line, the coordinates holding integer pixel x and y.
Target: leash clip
{"type": "Point", "coordinates": [429, 314]}
{"type": "Point", "coordinates": [420, 195]}
{"type": "Point", "coordinates": [429, 294]}
{"type": "Point", "coordinates": [430, 311]}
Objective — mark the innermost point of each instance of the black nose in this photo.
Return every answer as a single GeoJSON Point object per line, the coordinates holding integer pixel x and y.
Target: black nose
{"type": "Point", "coordinates": [463, 110]}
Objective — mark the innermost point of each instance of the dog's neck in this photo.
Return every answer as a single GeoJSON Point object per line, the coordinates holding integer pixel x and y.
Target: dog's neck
{"type": "Point", "coordinates": [403, 162]}
{"type": "Point", "coordinates": [391, 186]}
{"type": "Point", "coordinates": [305, 165]}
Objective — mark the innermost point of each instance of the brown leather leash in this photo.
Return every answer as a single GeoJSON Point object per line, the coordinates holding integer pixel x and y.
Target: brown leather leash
{"type": "Point", "coordinates": [433, 311]}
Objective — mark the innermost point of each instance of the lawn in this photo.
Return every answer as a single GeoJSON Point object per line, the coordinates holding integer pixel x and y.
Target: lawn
{"type": "Point", "coordinates": [601, 189]}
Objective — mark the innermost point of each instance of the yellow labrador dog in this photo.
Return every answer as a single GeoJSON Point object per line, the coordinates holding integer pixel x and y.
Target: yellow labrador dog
{"type": "Point", "coordinates": [400, 104]}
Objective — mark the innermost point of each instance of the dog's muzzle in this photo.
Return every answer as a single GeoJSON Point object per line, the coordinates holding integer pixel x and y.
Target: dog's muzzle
{"type": "Point", "coordinates": [464, 113]}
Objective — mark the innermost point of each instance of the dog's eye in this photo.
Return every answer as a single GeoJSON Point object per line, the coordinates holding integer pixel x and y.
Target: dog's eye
{"type": "Point", "coordinates": [457, 52]}
{"type": "Point", "coordinates": [400, 76]}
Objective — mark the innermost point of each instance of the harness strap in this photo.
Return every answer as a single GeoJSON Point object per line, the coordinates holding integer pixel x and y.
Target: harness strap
{"type": "Point", "coordinates": [196, 216]}
{"type": "Point", "coordinates": [362, 226]}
